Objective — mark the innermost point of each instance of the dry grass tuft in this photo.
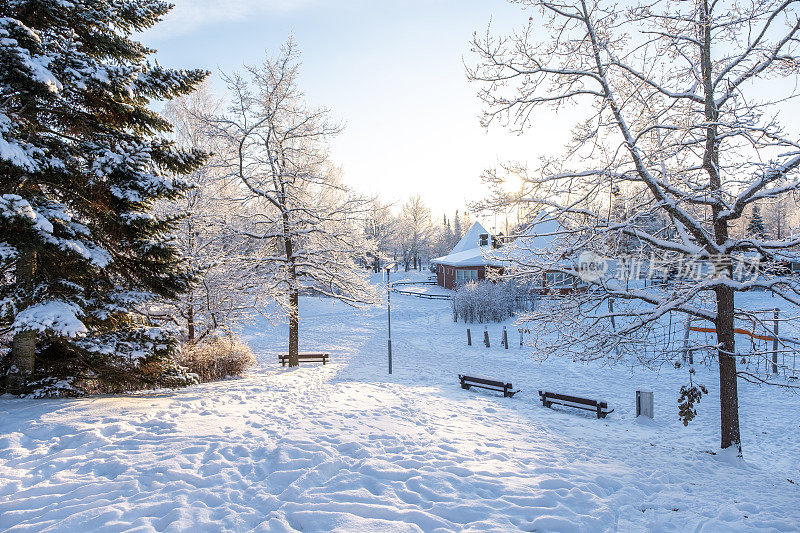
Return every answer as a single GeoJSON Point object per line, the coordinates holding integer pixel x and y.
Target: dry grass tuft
{"type": "Point", "coordinates": [217, 358]}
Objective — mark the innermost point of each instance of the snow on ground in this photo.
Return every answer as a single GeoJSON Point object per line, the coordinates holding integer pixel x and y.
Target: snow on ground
{"type": "Point", "coordinates": [347, 447]}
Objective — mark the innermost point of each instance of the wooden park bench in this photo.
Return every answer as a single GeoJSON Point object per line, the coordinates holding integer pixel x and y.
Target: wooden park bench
{"type": "Point", "coordinates": [310, 357]}
{"type": "Point", "coordinates": [549, 398]}
{"type": "Point", "coordinates": [488, 384]}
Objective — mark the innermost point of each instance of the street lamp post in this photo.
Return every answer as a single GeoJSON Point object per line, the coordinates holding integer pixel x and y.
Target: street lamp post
{"type": "Point", "coordinates": [388, 268]}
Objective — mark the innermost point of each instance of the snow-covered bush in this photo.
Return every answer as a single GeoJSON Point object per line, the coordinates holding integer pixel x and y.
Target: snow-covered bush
{"type": "Point", "coordinates": [486, 301]}
{"type": "Point", "coordinates": [217, 358]}
{"type": "Point", "coordinates": [52, 387]}
{"type": "Point", "coordinates": [65, 370]}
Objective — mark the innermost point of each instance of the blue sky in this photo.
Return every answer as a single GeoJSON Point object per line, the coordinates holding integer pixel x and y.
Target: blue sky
{"type": "Point", "coordinates": [392, 71]}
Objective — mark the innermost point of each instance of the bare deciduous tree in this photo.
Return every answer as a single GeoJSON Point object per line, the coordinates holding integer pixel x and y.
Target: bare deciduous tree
{"type": "Point", "coordinates": [280, 157]}
{"type": "Point", "coordinates": [681, 120]}
{"type": "Point", "coordinates": [415, 231]}
{"type": "Point", "coordinates": [381, 227]}
{"type": "Point", "coordinates": [228, 265]}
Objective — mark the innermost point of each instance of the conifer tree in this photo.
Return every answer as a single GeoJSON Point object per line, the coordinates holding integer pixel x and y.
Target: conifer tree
{"type": "Point", "coordinates": [82, 160]}
{"type": "Point", "coordinates": [756, 228]}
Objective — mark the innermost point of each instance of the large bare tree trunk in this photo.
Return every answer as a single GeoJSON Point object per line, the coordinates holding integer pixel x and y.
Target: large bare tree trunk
{"type": "Point", "coordinates": [726, 354]}
{"type": "Point", "coordinates": [294, 300]}
{"type": "Point", "coordinates": [294, 328]}
{"type": "Point", "coordinates": [23, 348]}
{"type": "Point", "coordinates": [728, 387]}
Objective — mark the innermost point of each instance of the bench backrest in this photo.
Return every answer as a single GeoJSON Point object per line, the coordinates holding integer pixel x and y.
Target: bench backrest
{"type": "Point", "coordinates": [483, 381]}
{"type": "Point", "coordinates": [573, 399]}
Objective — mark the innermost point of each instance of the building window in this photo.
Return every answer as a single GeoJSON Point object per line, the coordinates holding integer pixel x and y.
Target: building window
{"type": "Point", "coordinates": [463, 276]}
{"type": "Point", "coordinates": [559, 280]}
{"type": "Point", "coordinates": [484, 239]}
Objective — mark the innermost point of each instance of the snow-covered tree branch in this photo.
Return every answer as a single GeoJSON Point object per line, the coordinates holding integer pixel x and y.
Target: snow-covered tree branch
{"type": "Point", "coordinates": [277, 151]}
{"type": "Point", "coordinates": [682, 130]}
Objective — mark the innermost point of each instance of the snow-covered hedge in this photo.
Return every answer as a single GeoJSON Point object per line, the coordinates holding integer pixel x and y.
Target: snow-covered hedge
{"type": "Point", "coordinates": [486, 301]}
{"type": "Point", "coordinates": [217, 358]}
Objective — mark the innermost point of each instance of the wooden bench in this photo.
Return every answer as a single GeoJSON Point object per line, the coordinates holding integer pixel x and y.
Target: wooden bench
{"type": "Point", "coordinates": [549, 398]}
{"type": "Point", "coordinates": [488, 384]}
{"type": "Point", "coordinates": [310, 357]}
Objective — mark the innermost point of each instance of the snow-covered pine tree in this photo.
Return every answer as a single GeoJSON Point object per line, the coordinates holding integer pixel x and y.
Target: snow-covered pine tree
{"type": "Point", "coordinates": [756, 228]}
{"type": "Point", "coordinates": [82, 161]}
{"type": "Point", "coordinates": [457, 231]}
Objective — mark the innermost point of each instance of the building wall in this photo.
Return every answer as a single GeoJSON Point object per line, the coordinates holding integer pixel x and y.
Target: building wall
{"type": "Point", "coordinates": [446, 275]}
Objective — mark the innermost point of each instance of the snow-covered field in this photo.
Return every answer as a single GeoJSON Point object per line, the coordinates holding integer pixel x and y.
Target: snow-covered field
{"type": "Point", "coordinates": [347, 447]}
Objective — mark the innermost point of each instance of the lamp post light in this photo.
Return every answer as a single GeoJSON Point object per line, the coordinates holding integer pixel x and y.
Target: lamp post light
{"type": "Point", "coordinates": [388, 268]}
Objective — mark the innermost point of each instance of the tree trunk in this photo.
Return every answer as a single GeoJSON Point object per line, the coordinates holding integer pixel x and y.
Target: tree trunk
{"type": "Point", "coordinates": [294, 328]}
{"type": "Point", "coordinates": [190, 322]}
{"type": "Point", "coordinates": [23, 348]}
{"type": "Point", "coordinates": [726, 354]}
{"type": "Point", "coordinates": [728, 386]}
{"type": "Point", "coordinates": [294, 300]}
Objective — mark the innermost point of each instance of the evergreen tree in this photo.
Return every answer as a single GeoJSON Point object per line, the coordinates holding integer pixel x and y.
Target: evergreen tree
{"type": "Point", "coordinates": [756, 228]}
{"type": "Point", "coordinates": [457, 231]}
{"type": "Point", "coordinates": [82, 161]}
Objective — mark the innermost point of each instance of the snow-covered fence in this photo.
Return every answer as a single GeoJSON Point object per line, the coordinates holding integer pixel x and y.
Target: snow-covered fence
{"type": "Point", "coordinates": [485, 301]}
{"type": "Point", "coordinates": [424, 295]}
{"type": "Point", "coordinates": [767, 343]}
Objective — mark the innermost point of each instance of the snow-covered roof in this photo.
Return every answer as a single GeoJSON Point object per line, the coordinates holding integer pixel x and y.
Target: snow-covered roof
{"type": "Point", "coordinates": [541, 235]}
{"type": "Point", "coordinates": [478, 256]}
{"type": "Point", "coordinates": [471, 239]}
{"type": "Point", "coordinates": [468, 252]}
{"type": "Point", "coordinates": [537, 239]}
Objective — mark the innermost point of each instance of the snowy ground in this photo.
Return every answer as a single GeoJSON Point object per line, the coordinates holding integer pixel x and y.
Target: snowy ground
{"type": "Point", "coordinates": [347, 447]}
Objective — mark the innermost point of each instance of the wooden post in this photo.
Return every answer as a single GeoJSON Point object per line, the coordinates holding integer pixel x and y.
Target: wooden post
{"type": "Point", "coordinates": [486, 336]}
{"type": "Point", "coordinates": [505, 337]}
{"type": "Point", "coordinates": [469, 338]}
{"type": "Point", "coordinates": [775, 343]}
{"type": "Point", "coordinates": [520, 336]}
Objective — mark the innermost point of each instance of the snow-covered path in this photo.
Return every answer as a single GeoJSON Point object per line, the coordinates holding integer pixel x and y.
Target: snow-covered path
{"type": "Point", "coordinates": [347, 447]}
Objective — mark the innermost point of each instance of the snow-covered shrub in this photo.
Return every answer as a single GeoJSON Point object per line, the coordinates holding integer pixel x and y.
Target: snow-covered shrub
{"type": "Point", "coordinates": [51, 387]}
{"type": "Point", "coordinates": [63, 371]}
{"type": "Point", "coordinates": [485, 301]}
{"type": "Point", "coordinates": [217, 358]}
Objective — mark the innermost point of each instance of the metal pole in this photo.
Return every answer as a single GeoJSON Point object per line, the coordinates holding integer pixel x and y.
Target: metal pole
{"type": "Point", "coordinates": [389, 316]}
{"type": "Point", "coordinates": [775, 343]}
